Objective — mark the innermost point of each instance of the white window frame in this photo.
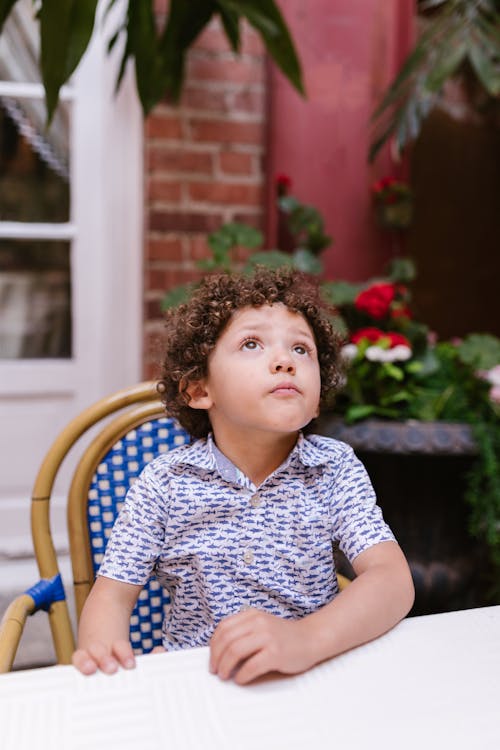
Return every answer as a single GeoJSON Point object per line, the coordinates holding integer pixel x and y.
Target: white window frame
{"type": "Point", "coordinates": [106, 235]}
{"type": "Point", "coordinates": [105, 232]}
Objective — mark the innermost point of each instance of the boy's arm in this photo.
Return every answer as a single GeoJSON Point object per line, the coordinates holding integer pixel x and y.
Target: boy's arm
{"type": "Point", "coordinates": [251, 643]}
{"type": "Point", "coordinates": [103, 632]}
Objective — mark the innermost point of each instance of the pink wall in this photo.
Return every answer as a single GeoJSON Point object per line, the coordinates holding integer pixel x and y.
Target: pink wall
{"type": "Point", "coordinates": [350, 50]}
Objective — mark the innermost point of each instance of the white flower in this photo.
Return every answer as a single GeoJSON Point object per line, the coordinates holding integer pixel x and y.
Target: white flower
{"type": "Point", "coordinates": [493, 376]}
{"type": "Point", "coordinates": [376, 354]}
{"type": "Point", "coordinates": [401, 353]}
{"type": "Point", "coordinates": [398, 353]}
{"type": "Point", "coordinates": [348, 352]}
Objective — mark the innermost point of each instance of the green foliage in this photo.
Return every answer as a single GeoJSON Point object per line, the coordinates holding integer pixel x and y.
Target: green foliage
{"type": "Point", "coordinates": [65, 31]}
{"type": "Point", "coordinates": [306, 224]}
{"type": "Point", "coordinates": [438, 382]}
{"type": "Point", "coordinates": [224, 241]}
{"type": "Point", "coordinates": [461, 34]}
{"type": "Point", "coordinates": [480, 350]}
{"type": "Point", "coordinates": [159, 56]}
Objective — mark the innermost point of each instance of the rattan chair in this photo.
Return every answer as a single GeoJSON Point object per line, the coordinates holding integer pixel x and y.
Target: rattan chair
{"type": "Point", "coordinates": [132, 430]}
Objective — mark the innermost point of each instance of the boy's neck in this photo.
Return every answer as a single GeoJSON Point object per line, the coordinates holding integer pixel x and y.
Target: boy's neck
{"type": "Point", "coordinates": [257, 456]}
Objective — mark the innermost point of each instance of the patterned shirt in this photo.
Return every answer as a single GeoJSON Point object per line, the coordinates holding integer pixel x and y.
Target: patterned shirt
{"type": "Point", "coordinates": [219, 544]}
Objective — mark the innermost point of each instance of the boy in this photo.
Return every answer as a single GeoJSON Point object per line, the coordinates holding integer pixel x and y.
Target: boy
{"type": "Point", "coordinates": [239, 525]}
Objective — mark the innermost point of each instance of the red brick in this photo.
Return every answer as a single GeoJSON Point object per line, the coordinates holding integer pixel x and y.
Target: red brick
{"type": "Point", "coordinates": [213, 39]}
{"type": "Point", "coordinates": [219, 192]}
{"type": "Point", "coordinates": [175, 160]}
{"type": "Point", "coordinates": [236, 163]}
{"type": "Point", "coordinates": [249, 100]}
{"type": "Point", "coordinates": [152, 309]}
{"type": "Point", "coordinates": [164, 249]}
{"type": "Point", "coordinates": [163, 190]}
{"type": "Point", "coordinates": [252, 219]}
{"type": "Point", "coordinates": [159, 125]}
{"type": "Point", "coordinates": [202, 67]}
{"type": "Point", "coordinates": [202, 98]}
{"type": "Point", "coordinates": [180, 221]}
{"type": "Point", "coordinates": [221, 131]}
{"type": "Point", "coordinates": [199, 249]}
{"type": "Point", "coordinates": [166, 278]}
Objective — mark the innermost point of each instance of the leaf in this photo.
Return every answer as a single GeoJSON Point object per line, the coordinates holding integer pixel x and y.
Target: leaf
{"type": "Point", "coordinates": [450, 60]}
{"type": "Point", "coordinates": [359, 411]}
{"type": "Point", "coordinates": [177, 296]}
{"type": "Point", "coordinates": [402, 270]}
{"type": "Point", "coordinates": [269, 259]}
{"type": "Point", "coordinates": [5, 8]}
{"type": "Point", "coordinates": [392, 371]}
{"type": "Point", "coordinates": [304, 260]}
{"type": "Point", "coordinates": [486, 68]}
{"type": "Point", "coordinates": [265, 16]}
{"type": "Point", "coordinates": [230, 22]}
{"type": "Point", "coordinates": [142, 45]}
{"type": "Point", "coordinates": [81, 26]}
{"type": "Point", "coordinates": [480, 350]}
{"type": "Point", "coordinates": [340, 293]}
{"type": "Point", "coordinates": [65, 31]}
{"type": "Point", "coordinates": [185, 21]}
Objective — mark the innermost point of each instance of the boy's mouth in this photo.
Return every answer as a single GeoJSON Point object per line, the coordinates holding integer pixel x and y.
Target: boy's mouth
{"type": "Point", "coordinates": [285, 389]}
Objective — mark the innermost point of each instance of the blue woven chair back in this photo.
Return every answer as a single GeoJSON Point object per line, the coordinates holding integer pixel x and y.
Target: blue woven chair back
{"type": "Point", "coordinates": [115, 473]}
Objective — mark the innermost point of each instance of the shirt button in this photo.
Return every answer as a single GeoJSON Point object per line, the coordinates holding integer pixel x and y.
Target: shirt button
{"type": "Point", "coordinates": [255, 501]}
{"type": "Point", "coordinates": [248, 557]}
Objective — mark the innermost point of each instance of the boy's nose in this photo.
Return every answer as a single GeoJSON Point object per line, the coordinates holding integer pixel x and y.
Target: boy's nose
{"type": "Point", "coordinates": [283, 363]}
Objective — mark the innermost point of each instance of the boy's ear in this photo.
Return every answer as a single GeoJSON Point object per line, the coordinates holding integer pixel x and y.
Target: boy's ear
{"type": "Point", "coordinates": [199, 397]}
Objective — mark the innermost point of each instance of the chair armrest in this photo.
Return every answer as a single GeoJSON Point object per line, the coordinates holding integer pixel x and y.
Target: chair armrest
{"type": "Point", "coordinates": [11, 629]}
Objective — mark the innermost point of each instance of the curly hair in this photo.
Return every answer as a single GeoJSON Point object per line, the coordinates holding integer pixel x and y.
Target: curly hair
{"type": "Point", "coordinates": [193, 329]}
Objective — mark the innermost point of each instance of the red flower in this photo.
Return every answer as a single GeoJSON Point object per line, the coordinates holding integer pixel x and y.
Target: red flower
{"type": "Point", "coordinates": [383, 183]}
{"type": "Point", "coordinates": [375, 334]}
{"type": "Point", "coordinates": [371, 334]}
{"type": "Point", "coordinates": [401, 312]}
{"type": "Point", "coordinates": [283, 184]}
{"type": "Point", "coordinates": [376, 300]}
{"type": "Point", "coordinates": [397, 339]}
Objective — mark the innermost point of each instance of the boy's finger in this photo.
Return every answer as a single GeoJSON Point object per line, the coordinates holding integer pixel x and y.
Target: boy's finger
{"type": "Point", "coordinates": [236, 653]}
{"type": "Point", "coordinates": [122, 650]}
{"type": "Point", "coordinates": [103, 658]}
{"type": "Point", "coordinates": [82, 660]}
{"type": "Point", "coordinates": [256, 666]}
{"type": "Point", "coordinates": [228, 631]}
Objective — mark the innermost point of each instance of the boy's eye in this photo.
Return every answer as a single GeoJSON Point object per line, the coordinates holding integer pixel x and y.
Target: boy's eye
{"type": "Point", "coordinates": [300, 349]}
{"type": "Point", "coordinates": [251, 344]}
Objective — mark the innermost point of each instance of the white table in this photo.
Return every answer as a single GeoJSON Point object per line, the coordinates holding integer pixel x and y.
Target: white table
{"type": "Point", "coordinates": [431, 683]}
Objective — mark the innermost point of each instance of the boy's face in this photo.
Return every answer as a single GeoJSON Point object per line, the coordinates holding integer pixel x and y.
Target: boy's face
{"type": "Point", "coordinates": [263, 374]}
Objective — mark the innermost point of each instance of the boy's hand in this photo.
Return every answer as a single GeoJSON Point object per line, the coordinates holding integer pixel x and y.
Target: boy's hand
{"type": "Point", "coordinates": [107, 659]}
{"type": "Point", "coordinates": [252, 643]}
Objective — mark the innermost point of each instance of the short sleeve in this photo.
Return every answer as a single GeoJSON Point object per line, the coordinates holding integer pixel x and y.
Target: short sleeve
{"type": "Point", "coordinates": [357, 520]}
{"type": "Point", "coordinates": [137, 537]}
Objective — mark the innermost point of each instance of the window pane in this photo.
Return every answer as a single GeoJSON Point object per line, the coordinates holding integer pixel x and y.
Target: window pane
{"type": "Point", "coordinates": [34, 183]}
{"type": "Point", "coordinates": [35, 299]}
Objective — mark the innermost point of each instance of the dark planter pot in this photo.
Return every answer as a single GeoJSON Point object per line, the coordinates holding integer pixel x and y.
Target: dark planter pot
{"type": "Point", "coordinates": [419, 470]}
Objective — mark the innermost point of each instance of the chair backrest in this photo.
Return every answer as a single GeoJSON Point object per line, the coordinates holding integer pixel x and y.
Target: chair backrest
{"type": "Point", "coordinates": [109, 464]}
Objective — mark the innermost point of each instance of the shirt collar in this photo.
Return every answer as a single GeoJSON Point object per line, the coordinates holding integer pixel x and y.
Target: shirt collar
{"type": "Point", "coordinates": [204, 454]}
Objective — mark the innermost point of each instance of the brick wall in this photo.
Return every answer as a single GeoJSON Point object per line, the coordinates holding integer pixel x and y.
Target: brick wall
{"type": "Point", "coordinates": [204, 165]}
